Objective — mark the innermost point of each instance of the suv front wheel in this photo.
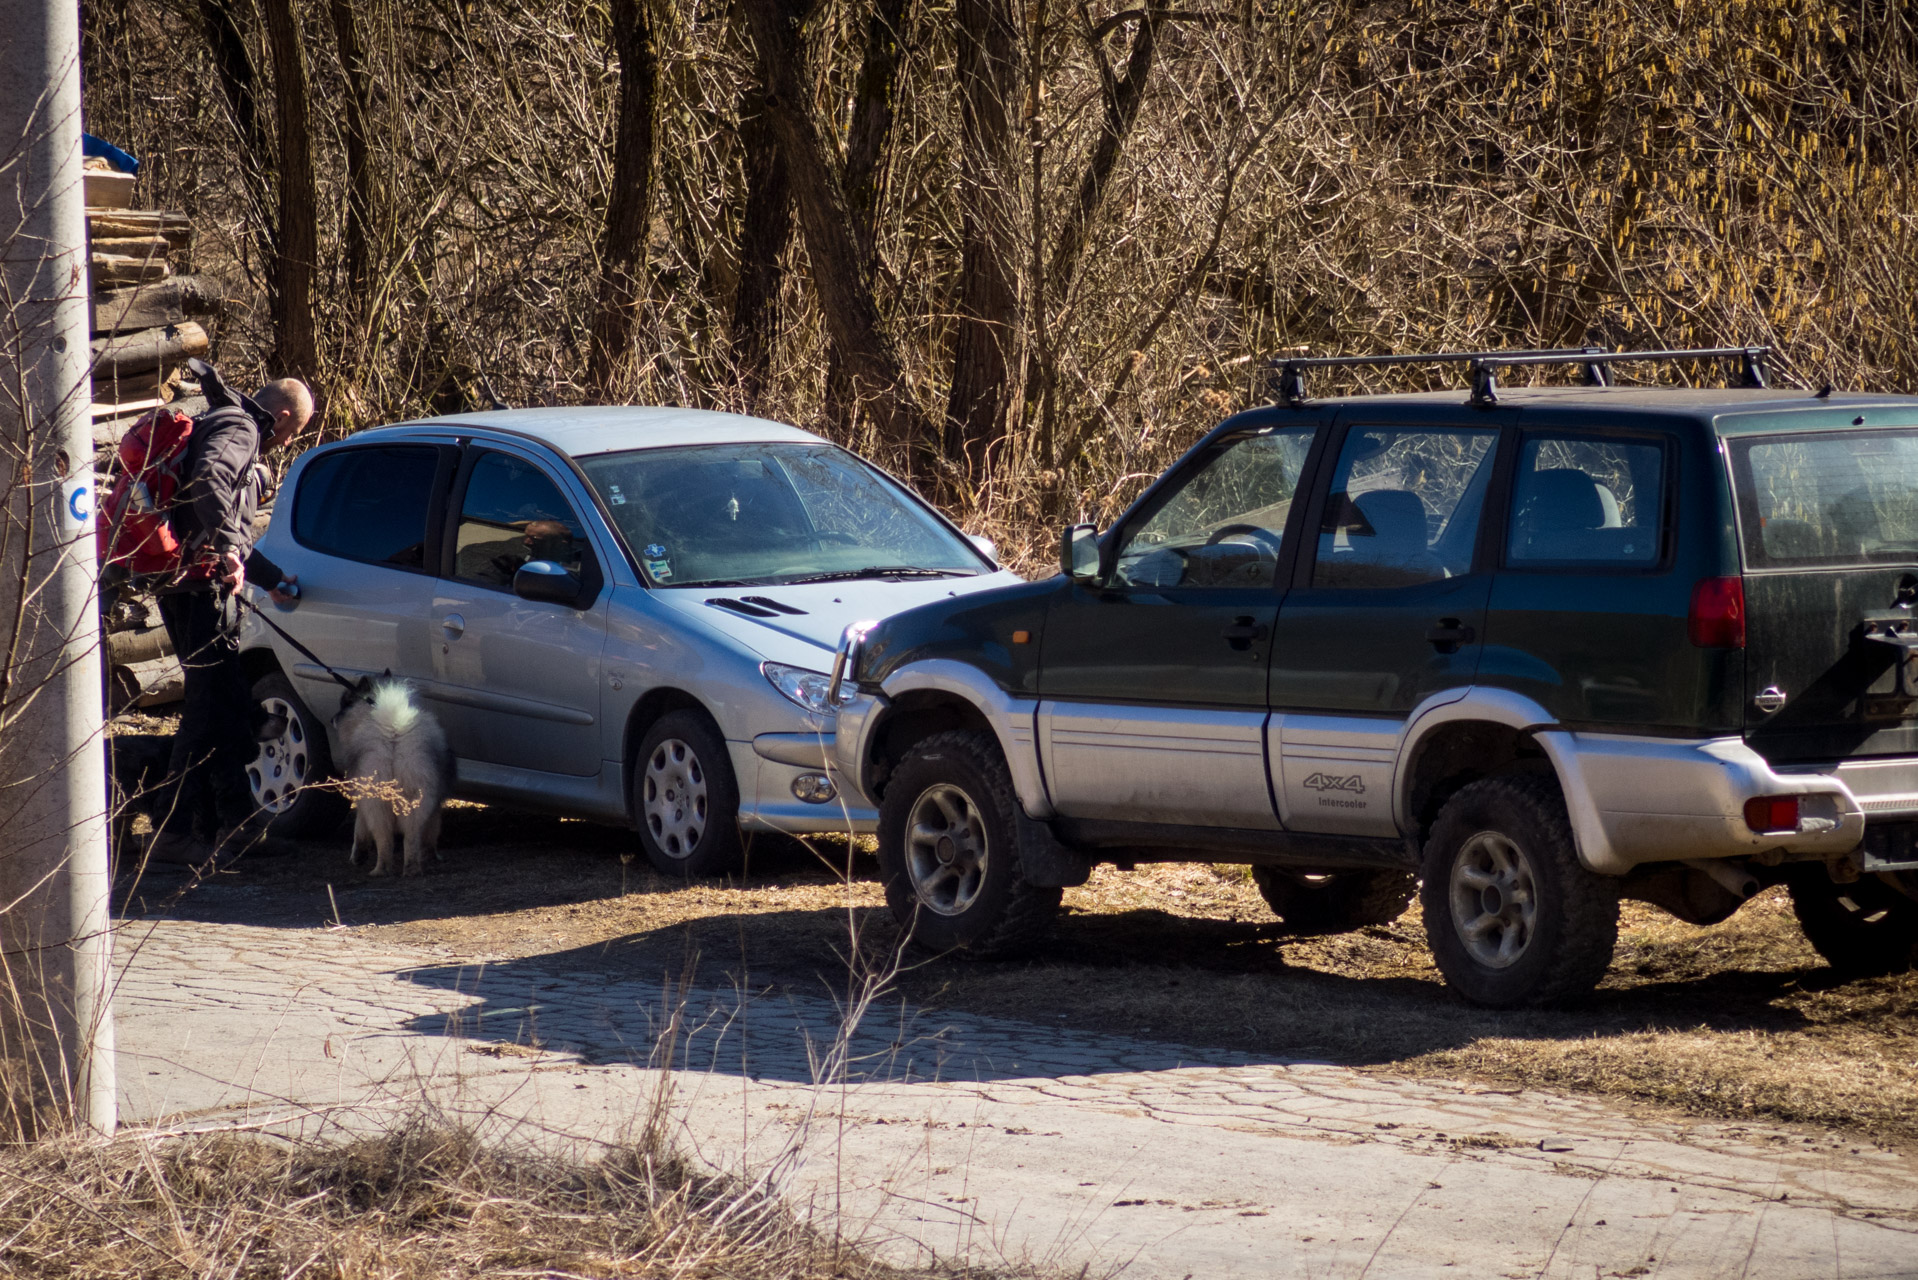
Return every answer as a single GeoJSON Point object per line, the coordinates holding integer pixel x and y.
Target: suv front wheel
{"type": "Point", "coordinates": [1511, 915]}
{"type": "Point", "coordinates": [949, 850]}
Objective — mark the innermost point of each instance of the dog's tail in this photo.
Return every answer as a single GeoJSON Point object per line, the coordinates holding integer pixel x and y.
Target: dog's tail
{"type": "Point", "coordinates": [394, 710]}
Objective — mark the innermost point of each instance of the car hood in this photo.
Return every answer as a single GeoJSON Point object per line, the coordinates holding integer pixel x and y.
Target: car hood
{"type": "Point", "coordinates": [801, 624]}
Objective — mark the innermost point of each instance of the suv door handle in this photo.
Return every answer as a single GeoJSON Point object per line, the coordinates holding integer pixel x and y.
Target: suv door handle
{"type": "Point", "coordinates": [1244, 631]}
{"type": "Point", "coordinates": [1449, 634]}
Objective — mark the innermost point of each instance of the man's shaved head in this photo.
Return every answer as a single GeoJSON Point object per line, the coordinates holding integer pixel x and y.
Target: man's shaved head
{"type": "Point", "coordinates": [290, 402]}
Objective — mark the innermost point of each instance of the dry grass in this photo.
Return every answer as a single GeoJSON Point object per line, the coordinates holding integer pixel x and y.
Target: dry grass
{"type": "Point", "coordinates": [425, 1200]}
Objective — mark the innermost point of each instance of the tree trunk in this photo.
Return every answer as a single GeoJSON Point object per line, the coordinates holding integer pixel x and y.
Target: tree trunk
{"type": "Point", "coordinates": [1123, 98]}
{"type": "Point", "coordinates": [353, 131]}
{"type": "Point", "coordinates": [765, 229]}
{"type": "Point", "coordinates": [840, 282]}
{"type": "Point", "coordinates": [299, 235]}
{"type": "Point", "coordinates": [234, 67]}
{"type": "Point", "coordinates": [872, 114]}
{"type": "Point", "coordinates": [622, 249]}
{"type": "Point", "coordinates": [988, 70]}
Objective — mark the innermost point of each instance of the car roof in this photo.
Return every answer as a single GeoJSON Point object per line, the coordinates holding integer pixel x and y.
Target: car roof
{"type": "Point", "coordinates": [589, 429]}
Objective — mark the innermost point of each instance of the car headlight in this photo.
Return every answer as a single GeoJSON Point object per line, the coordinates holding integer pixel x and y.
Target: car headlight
{"type": "Point", "coordinates": [807, 688]}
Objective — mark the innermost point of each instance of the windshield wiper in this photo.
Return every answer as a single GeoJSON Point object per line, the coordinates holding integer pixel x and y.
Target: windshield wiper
{"type": "Point", "coordinates": [881, 571]}
{"type": "Point", "coordinates": [719, 582]}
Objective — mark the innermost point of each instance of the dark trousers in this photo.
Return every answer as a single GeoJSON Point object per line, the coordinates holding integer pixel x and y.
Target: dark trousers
{"type": "Point", "coordinates": [214, 743]}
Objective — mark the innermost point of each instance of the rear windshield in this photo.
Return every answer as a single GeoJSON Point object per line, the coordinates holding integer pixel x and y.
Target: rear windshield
{"type": "Point", "coordinates": [1832, 498]}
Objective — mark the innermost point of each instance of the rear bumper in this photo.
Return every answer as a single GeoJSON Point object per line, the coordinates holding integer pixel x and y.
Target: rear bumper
{"type": "Point", "coordinates": [1635, 800]}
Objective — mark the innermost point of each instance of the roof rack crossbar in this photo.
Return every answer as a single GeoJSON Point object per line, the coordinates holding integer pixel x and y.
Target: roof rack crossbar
{"type": "Point", "coordinates": [1485, 369]}
{"type": "Point", "coordinates": [1291, 388]}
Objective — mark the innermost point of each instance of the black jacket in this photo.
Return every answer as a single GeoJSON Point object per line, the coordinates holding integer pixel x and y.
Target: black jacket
{"type": "Point", "coordinates": [222, 481]}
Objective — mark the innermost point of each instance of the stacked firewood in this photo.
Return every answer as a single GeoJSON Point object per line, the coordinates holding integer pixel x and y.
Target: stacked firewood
{"type": "Point", "coordinates": [142, 309]}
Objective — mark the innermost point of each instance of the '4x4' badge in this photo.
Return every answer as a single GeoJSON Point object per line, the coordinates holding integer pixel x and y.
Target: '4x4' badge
{"type": "Point", "coordinates": [1332, 782]}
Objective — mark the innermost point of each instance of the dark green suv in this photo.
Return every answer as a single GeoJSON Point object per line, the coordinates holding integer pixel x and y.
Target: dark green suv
{"type": "Point", "coordinates": [1537, 649]}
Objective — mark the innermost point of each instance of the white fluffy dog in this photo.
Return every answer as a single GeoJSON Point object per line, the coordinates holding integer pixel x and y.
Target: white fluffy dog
{"type": "Point", "coordinates": [396, 761]}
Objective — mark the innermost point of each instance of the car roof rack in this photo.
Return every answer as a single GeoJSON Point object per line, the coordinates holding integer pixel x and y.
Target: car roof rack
{"type": "Point", "coordinates": [1484, 366]}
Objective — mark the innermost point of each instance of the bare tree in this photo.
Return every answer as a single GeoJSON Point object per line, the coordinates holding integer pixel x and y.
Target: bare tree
{"type": "Point", "coordinates": [298, 241]}
{"type": "Point", "coordinates": [622, 247]}
{"type": "Point", "coordinates": [354, 138]}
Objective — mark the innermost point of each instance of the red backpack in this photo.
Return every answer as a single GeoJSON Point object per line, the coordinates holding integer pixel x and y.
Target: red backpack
{"type": "Point", "coordinates": [132, 527]}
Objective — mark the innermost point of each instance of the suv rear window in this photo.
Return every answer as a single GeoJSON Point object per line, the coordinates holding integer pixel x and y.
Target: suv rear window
{"type": "Point", "coordinates": [1827, 499]}
{"type": "Point", "coordinates": [1587, 501]}
{"type": "Point", "coordinates": [368, 503]}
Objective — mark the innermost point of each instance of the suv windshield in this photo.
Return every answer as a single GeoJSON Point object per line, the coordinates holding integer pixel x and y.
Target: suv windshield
{"type": "Point", "coordinates": [756, 514]}
{"type": "Point", "coordinates": [1831, 498]}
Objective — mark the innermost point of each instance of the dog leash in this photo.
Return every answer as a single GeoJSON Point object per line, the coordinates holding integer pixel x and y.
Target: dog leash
{"type": "Point", "coordinates": [280, 631]}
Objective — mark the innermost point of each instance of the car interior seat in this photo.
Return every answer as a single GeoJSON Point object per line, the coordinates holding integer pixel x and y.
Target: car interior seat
{"type": "Point", "coordinates": [1563, 513]}
{"type": "Point", "coordinates": [1398, 543]}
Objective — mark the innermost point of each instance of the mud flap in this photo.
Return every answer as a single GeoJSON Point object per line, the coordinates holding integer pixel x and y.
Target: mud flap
{"type": "Point", "coordinates": [1047, 863]}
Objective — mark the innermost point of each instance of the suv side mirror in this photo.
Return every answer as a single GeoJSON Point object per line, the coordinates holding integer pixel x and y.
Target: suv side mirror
{"type": "Point", "coordinates": [1079, 553]}
{"type": "Point", "coordinates": [547, 582]}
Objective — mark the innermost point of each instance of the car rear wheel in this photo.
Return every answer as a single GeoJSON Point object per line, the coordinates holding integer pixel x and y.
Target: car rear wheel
{"type": "Point", "coordinates": [686, 798]}
{"type": "Point", "coordinates": [1512, 917]}
{"type": "Point", "coordinates": [1865, 929]}
{"type": "Point", "coordinates": [1315, 905]}
{"type": "Point", "coordinates": [287, 773]}
{"type": "Point", "coordinates": [949, 851]}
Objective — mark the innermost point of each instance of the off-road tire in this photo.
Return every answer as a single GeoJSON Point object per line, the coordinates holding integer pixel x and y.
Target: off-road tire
{"type": "Point", "coordinates": [1313, 906]}
{"type": "Point", "coordinates": [1864, 930]}
{"type": "Point", "coordinates": [717, 849]}
{"type": "Point", "coordinates": [1574, 923]}
{"type": "Point", "coordinates": [316, 810]}
{"type": "Point", "coordinates": [1008, 915]}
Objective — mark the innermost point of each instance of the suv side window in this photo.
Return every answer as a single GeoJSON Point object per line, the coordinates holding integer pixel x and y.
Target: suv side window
{"type": "Point", "coordinates": [1222, 525]}
{"type": "Point", "coordinates": [1404, 506]}
{"type": "Point", "coordinates": [368, 503]}
{"type": "Point", "coordinates": [1586, 500]}
{"type": "Point", "coordinates": [512, 512]}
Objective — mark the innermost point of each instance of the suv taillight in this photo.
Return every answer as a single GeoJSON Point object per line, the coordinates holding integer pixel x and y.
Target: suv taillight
{"type": "Point", "coordinates": [1717, 618]}
{"type": "Point", "coordinates": [1772, 813]}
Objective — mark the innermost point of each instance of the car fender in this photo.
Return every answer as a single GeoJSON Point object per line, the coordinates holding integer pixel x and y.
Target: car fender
{"type": "Point", "coordinates": [1473, 702]}
{"type": "Point", "coordinates": [1011, 719]}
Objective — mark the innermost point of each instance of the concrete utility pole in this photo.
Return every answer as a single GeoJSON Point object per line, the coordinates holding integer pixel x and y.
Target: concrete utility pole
{"type": "Point", "coordinates": [55, 1024]}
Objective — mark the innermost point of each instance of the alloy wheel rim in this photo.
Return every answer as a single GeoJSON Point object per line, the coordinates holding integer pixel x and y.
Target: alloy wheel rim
{"type": "Point", "coordinates": [281, 765]}
{"type": "Point", "coordinates": [946, 849]}
{"type": "Point", "coordinates": [674, 798]}
{"type": "Point", "coordinates": [1494, 899]}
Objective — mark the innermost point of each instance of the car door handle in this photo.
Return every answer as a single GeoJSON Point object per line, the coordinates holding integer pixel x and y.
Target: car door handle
{"type": "Point", "coordinates": [453, 626]}
{"type": "Point", "coordinates": [1449, 634]}
{"type": "Point", "coordinates": [1244, 631]}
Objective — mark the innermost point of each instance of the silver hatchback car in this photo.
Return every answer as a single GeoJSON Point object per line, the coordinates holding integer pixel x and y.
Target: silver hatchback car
{"type": "Point", "coordinates": [624, 614]}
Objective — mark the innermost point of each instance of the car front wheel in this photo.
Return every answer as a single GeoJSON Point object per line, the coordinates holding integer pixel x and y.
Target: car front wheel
{"type": "Point", "coordinates": [1512, 917]}
{"type": "Point", "coordinates": [686, 798]}
{"type": "Point", "coordinates": [288, 772]}
{"type": "Point", "coordinates": [949, 851]}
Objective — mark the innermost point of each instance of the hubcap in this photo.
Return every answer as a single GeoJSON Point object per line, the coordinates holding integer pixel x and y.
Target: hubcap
{"type": "Point", "coordinates": [946, 849]}
{"type": "Point", "coordinates": [1494, 901]}
{"type": "Point", "coordinates": [675, 798]}
{"type": "Point", "coordinates": [280, 769]}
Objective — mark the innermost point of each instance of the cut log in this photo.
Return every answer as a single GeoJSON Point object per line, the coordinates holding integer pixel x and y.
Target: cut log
{"type": "Point", "coordinates": [148, 349]}
{"type": "Point", "coordinates": [112, 270]}
{"type": "Point", "coordinates": [133, 246]}
{"type": "Point", "coordinates": [168, 302]}
{"type": "Point", "coordinates": [140, 222]}
{"type": "Point", "coordinates": [126, 410]}
{"type": "Point", "coordinates": [127, 389]}
{"type": "Point", "coordinates": [106, 189]}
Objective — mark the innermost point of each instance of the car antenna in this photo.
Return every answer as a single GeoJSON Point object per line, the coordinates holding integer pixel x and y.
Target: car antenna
{"type": "Point", "coordinates": [1824, 392]}
{"type": "Point", "coordinates": [492, 397]}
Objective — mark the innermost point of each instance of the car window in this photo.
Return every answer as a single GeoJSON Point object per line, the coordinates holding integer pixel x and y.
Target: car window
{"type": "Point", "coordinates": [1827, 499]}
{"type": "Point", "coordinates": [1222, 524]}
{"type": "Point", "coordinates": [368, 503]}
{"type": "Point", "coordinates": [1586, 501]}
{"type": "Point", "coordinates": [770, 512]}
{"type": "Point", "coordinates": [1404, 506]}
{"type": "Point", "coordinates": [512, 512]}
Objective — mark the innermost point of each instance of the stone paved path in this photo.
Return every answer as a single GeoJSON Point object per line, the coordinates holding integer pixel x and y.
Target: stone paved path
{"type": "Point", "coordinates": [958, 1135]}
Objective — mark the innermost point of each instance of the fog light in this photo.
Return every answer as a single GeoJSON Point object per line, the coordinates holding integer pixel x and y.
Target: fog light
{"type": "Point", "coordinates": [813, 788]}
{"type": "Point", "coordinates": [1772, 813]}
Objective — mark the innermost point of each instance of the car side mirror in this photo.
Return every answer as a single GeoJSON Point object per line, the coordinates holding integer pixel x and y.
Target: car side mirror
{"type": "Point", "coordinates": [547, 582]}
{"type": "Point", "coordinates": [987, 547]}
{"type": "Point", "coordinates": [1079, 553]}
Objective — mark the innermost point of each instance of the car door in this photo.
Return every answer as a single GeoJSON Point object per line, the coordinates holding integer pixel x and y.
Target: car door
{"type": "Point", "coordinates": [1387, 609]}
{"type": "Point", "coordinates": [517, 680]}
{"type": "Point", "coordinates": [1153, 684]}
{"type": "Point", "coordinates": [364, 518]}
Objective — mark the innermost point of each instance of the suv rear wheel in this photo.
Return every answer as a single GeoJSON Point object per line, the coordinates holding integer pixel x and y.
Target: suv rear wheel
{"type": "Point", "coordinates": [1511, 916]}
{"type": "Point", "coordinates": [285, 771]}
{"type": "Point", "coordinates": [1338, 902]}
{"type": "Point", "coordinates": [949, 850]}
{"type": "Point", "coordinates": [1864, 930]}
{"type": "Point", "coordinates": [686, 798]}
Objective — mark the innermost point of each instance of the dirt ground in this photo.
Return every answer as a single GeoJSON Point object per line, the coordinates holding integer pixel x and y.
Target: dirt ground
{"type": "Point", "coordinates": [1741, 1020]}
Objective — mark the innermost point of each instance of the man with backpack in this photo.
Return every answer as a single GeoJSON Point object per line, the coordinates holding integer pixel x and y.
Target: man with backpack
{"type": "Point", "coordinates": [220, 485]}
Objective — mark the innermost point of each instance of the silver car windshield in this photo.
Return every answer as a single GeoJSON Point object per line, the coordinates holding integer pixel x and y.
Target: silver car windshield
{"type": "Point", "coordinates": [755, 514]}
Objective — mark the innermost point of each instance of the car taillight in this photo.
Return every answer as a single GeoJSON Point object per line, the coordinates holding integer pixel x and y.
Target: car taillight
{"type": "Point", "coordinates": [1717, 618]}
{"type": "Point", "coordinates": [1772, 813]}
